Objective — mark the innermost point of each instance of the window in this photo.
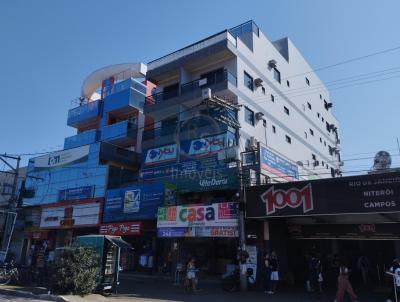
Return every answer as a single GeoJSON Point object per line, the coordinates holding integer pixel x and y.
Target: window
{"type": "Point", "coordinates": [273, 129]}
{"type": "Point", "coordinates": [320, 96]}
{"type": "Point", "coordinates": [326, 105]}
{"type": "Point", "coordinates": [323, 164]}
{"type": "Point", "coordinates": [277, 75]}
{"type": "Point", "coordinates": [318, 115]}
{"type": "Point", "coordinates": [263, 90]}
{"type": "Point", "coordinates": [288, 139]}
{"type": "Point", "coordinates": [249, 116]}
{"type": "Point", "coordinates": [272, 98]}
{"type": "Point", "coordinates": [248, 81]}
{"type": "Point", "coordinates": [332, 172]}
{"type": "Point", "coordinates": [311, 131]}
{"type": "Point", "coordinates": [307, 81]}
{"type": "Point", "coordinates": [309, 105]}
{"type": "Point", "coordinates": [287, 83]}
{"type": "Point", "coordinates": [264, 123]}
{"type": "Point", "coordinates": [322, 119]}
{"type": "Point", "coordinates": [327, 166]}
{"type": "Point", "coordinates": [328, 127]}
{"type": "Point", "coordinates": [313, 156]}
{"type": "Point", "coordinates": [320, 140]}
{"type": "Point", "coordinates": [305, 134]}
{"type": "Point", "coordinates": [286, 110]}
{"type": "Point", "coordinates": [325, 143]}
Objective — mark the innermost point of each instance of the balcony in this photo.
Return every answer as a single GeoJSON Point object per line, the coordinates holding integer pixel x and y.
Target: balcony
{"type": "Point", "coordinates": [85, 116]}
{"type": "Point", "coordinates": [122, 134]}
{"type": "Point", "coordinates": [165, 104]}
{"type": "Point", "coordinates": [116, 155]}
{"type": "Point", "coordinates": [84, 138]}
{"type": "Point", "coordinates": [125, 96]}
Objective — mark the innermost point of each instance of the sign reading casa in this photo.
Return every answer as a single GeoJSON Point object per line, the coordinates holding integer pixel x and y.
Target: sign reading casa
{"type": "Point", "coordinates": [373, 193]}
{"type": "Point", "coordinates": [217, 214]}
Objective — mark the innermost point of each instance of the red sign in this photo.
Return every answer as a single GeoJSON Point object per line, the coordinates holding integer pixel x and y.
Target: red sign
{"type": "Point", "coordinates": [279, 199]}
{"type": "Point", "coordinates": [120, 229]}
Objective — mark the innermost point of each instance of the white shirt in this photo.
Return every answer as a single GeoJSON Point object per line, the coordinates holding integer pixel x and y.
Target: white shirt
{"type": "Point", "coordinates": [396, 276]}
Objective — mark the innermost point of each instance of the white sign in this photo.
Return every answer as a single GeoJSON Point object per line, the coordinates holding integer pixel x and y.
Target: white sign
{"type": "Point", "coordinates": [207, 145]}
{"type": "Point", "coordinates": [160, 154]}
{"type": "Point", "coordinates": [252, 261]}
{"type": "Point", "coordinates": [67, 216]}
{"type": "Point", "coordinates": [216, 214]}
{"type": "Point", "coordinates": [132, 201]}
{"type": "Point", "coordinates": [61, 158]}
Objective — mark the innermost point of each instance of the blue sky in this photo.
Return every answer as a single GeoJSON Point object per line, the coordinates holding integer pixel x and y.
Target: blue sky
{"type": "Point", "coordinates": [47, 48]}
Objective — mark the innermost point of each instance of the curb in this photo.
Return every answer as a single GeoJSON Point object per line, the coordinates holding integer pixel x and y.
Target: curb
{"type": "Point", "coordinates": [25, 294]}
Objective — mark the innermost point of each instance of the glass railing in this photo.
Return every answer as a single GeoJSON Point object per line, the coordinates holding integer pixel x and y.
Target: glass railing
{"type": "Point", "coordinates": [186, 88]}
{"type": "Point", "coordinates": [83, 112]}
{"type": "Point", "coordinates": [84, 138]}
{"type": "Point", "coordinates": [124, 85]}
{"type": "Point", "coordinates": [119, 130]}
{"type": "Point", "coordinates": [249, 26]}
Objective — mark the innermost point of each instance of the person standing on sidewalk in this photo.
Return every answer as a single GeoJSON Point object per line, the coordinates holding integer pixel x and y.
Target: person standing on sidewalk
{"type": "Point", "coordinates": [267, 274]}
{"type": "Point", "coordinates": [274, 267]}
{"type": "Point", "coordinates": [394, 270]}
{"type": "Point", "coordinates": [344, 285]}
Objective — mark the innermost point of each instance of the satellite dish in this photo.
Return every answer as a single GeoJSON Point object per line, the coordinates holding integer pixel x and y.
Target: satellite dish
{"type": "Point", "coordinates": [382, 160]}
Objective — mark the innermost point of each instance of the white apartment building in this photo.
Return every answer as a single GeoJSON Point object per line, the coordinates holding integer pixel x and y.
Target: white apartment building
{"type": "Point", "coordinates": [285, 107]}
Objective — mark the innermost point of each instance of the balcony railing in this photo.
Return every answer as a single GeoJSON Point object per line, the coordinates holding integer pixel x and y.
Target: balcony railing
{"type": "Point", "coordinates": [186, 88]}
{"type": "Point", "coordinates": [84, 138]}
{"type": "Point", "coordinates": [125, 130]}
{"type": "Point", "coordinates": [84, 113]}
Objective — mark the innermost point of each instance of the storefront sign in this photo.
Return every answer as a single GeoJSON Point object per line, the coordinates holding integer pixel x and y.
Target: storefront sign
{"type": "Point", "coordinates": [217, 214]}
{"type": "Point", "coordinates": [160, 155]}
{"type": "Point", "coordinates": [252, 261]}
{"type": "Point", "coordinates": [207, 180]}
{"type": "Point", "coordinates": [71, 215]}
{"type": "Point", "coordinates": [204, 146]}
{"type": "Point", "coordinates": [345, 231]}
{"type": "Point", "coordinates": [198, 232]}
{"type": "Point", "coordinates": [120, 229]}
{"type": "Point", "coordinates": [62, 158]}
{"type": "Point", "coordinates": [374, 193]}
{"type": "Point", "coordinates": [277, 165]}
{"type": "Point", "coordinates": [133, 203]}
{"type": "Point", "coordinates": [76, 193]}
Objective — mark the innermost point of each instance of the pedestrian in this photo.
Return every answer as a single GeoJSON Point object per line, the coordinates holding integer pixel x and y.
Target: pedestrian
{"type": "Point", "coordinates": [274, 267]}
{"type": "Point", "coordinates": [315, 274]}
{"type": "Point", "coordinates": [344, 285]}
{"type": "Point", "coordinates": [395, 272]}
{"type": "Point", "coordinates": [363, 267]}
{"type": "Point", "coordinates": [267, 274]}
{"type": "Point", "coordinates": [191, 278]}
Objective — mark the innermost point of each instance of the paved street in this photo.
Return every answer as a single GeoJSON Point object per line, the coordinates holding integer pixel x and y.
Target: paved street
{"type": "Point", "coordinates": [18, 299]}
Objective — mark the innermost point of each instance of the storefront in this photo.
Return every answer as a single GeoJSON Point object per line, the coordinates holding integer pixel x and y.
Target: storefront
{"type": "Point", "coordinates": [207, 232]}
{"type": "Point", "coordinates": [131, 212]}
{"type": "Point", "coordinates": [349, 219]}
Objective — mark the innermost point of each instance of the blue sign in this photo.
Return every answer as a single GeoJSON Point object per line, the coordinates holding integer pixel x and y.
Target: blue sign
{"type": "Point", "coordinates": [139, 202]}
{"type": "Point", "coordinates": [159, 155]}
{"type": "Point", "coordinates": [277, 165]}
{"type": "Point", "coordinates": [76, 193]}
{"type": "Point", "coordinates": [171, 232]}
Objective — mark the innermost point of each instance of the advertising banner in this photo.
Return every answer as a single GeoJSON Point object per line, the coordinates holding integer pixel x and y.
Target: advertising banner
{"type": "Point", "coordinates": [121, 228]}
{"type": "Point", "coordinates": [273, 163]}
{"type": "Point", "coordinates": [62, 158]}
{"type": "Point", "coordinates": [204, 146]}
{"type": "Point", "coordinates": [156, 156]}
{"type": "Point", "coordinates": [216, 214]}
{"type": "Point", "coordinates": [71, 215]}
{"type": "Point", "coordinates": [373, 193]}
{"type": "Point", "coordinates": [76, 193]}
{"type": "Point", "coordinates": [227, 232]}
{"type": "Point", "coordinates": [133, 203]}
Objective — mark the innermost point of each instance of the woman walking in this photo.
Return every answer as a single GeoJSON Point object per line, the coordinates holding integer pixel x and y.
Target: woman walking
{"type": "Point", "coordinates": [344, 285]}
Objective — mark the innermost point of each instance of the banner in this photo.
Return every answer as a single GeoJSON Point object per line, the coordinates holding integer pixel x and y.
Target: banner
{"type": "Point", "coordinates": [219, 231]}
{"type": "Point", "coordinates": [373, 193]}
{"type": "Point", "coordinates": [121, 228]}
{"type": "Point", "coordinates": [133, 203]}
{"type": "Point", "coordinates": [277, 165]}
{"type": "Point", "coordinates": [204, 146]}
{"type": "Point", "coordinates": [71, 215]}
{"type": "Point", "coordinates": [216, 214]}
{"type": "Point", "coordinates": [61, 158]}
{"type": "Point", "coordinates": [76, 193]}
{"type": "Point", "coordinates": [158, 155]}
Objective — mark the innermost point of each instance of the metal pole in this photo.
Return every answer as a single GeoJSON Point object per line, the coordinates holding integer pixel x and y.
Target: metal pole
{"type": "Point", "coordinates": [242, 232]}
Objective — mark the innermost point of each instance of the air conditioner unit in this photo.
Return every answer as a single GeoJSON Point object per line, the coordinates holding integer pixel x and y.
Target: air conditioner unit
{"type": "Point", "coordinates": [329, 105]}
{"type": "Point", "coordinates": [272, 63]}
{"type": "Point", "coordinates": [253, 143]}
{"type": "Point", "coordinates": [258, 82]}
{"type": "Point", "coordinates": [259, 116]}
{"type": "Point", "coordinates": [206, 94]}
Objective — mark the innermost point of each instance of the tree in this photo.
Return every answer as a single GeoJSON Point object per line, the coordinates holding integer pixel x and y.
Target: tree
{"type": "Point", "coordinates": [76, 271]}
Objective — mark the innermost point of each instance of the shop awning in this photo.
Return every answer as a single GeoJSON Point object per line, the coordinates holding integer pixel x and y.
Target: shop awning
{"type": "Point", "coordinates": [117, 241]}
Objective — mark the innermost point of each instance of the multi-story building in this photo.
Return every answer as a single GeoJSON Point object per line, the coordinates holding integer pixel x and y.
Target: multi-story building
{"type": "Point", "coordinates": [91, 184]}
{"type": "Point", "coordinates": [287, 130]}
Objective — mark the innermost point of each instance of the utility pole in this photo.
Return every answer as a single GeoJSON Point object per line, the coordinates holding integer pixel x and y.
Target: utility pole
{"type": "Point", "coordinates": [14, 170]}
